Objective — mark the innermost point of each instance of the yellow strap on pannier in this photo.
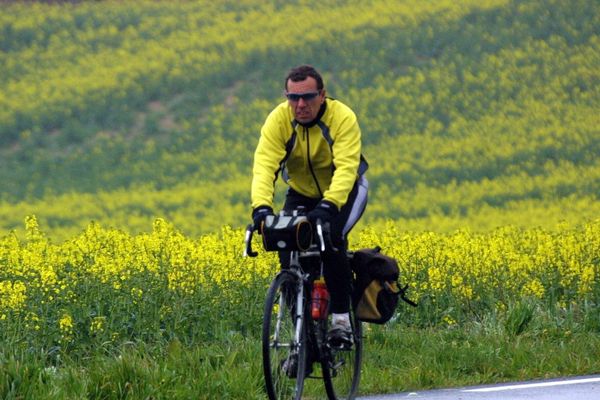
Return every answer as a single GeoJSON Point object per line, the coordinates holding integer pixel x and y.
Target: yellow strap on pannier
{"type": "Point", "coordinates": [367, 308]}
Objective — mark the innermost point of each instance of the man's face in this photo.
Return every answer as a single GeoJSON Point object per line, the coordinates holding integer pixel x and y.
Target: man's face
{"type": "Point", "coordinates": [305, 99]}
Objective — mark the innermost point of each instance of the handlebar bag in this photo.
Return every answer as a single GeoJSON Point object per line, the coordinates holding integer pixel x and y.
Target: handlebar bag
{"type": "Point", "coordinates": [285, 232]}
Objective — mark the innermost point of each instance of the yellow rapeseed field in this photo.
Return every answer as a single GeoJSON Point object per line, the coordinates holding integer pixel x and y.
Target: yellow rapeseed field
{"type": "Point", "coordinates": [106, 285]}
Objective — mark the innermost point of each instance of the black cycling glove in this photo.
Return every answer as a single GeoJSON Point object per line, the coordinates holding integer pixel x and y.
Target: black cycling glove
{"type": "Point", "coordinates": [258, 216]}
{"type": "Point", "coordinates": [325, 211]}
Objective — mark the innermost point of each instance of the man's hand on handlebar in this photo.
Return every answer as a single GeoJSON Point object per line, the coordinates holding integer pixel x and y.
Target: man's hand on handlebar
{"type": "Point", "coordinates": [258, 216]}
{"type": "Point", "coordinates": [325, 211]}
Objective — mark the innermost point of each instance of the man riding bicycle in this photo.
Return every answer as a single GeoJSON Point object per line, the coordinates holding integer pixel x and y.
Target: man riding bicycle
{"type": "Point", "coordinates": [315, 141]}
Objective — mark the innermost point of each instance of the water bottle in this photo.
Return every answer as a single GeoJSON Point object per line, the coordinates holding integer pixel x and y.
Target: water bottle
{"type": "Point", "coordinates": [319, 299]}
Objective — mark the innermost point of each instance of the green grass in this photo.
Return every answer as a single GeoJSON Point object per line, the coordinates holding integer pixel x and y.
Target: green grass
{"type": "Point", "coordinates": [411, 359]}
{"type": "Point", "coordinates": [397, 358]}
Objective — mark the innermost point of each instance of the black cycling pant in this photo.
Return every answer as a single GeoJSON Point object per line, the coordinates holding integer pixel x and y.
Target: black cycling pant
{"type": "Point", "coordinates": [336, 268]}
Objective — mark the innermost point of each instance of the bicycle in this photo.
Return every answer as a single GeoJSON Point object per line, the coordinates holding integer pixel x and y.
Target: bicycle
{"type": "Point", "coordinates": [293, 342]}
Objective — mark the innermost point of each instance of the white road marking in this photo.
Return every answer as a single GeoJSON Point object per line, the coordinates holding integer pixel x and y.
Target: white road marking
{"type": "Point", "coordinates": [533, 385]}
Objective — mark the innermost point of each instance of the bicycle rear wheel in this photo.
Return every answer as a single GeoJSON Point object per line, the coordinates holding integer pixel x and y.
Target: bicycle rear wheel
{"type": "Point", "coordinates": [284, 354]}
{"type": "Point", "coordinates": [341, 368]}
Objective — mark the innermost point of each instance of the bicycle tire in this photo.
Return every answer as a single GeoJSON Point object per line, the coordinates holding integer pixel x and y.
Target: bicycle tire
{"type": "Point", "coordinates": [279, 345]}
{"type": "Point", "coordinates": [341, 368]}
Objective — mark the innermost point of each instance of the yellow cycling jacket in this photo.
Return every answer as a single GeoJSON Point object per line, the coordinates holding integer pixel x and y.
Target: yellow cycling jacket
{"type": "Point", "coordinates": [314, 167]}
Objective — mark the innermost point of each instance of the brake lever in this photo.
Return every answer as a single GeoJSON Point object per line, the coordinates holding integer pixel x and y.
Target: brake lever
{"type": "Point", "coordinates": [248, 252]}
{"type": "Point", "coordinates": [320, 235]}
{"type": "Point", "coordinates": [322, 238]}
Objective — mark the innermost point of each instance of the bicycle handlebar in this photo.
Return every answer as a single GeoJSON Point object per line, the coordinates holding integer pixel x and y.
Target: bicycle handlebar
{"type": "Point", "coordinates": [248, 252]}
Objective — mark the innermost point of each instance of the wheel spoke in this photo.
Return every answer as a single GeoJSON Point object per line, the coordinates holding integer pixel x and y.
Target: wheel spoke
{"type": "Point", "coordinates": [283, 355]}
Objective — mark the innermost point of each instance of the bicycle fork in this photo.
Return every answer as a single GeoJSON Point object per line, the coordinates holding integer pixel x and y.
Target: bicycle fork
{"type": "Point", "coordinates": [299, 309]}
{"type": "Point", "coordinates": [298, 318]}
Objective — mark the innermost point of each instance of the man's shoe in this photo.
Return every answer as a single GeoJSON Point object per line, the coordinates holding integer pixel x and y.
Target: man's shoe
{"type": "Point", "coordinates": [340, 337]}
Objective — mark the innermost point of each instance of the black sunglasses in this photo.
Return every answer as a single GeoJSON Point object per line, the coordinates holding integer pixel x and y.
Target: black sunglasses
{"type": "Point", "coordinates": [304, 96]}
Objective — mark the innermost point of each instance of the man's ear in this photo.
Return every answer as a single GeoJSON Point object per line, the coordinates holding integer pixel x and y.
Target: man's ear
{"type": "Point", "coordinates": [323, 95]}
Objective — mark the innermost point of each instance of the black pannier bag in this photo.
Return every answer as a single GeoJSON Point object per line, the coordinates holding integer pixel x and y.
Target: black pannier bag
{"type": "Point", "coordinates": [286, 232]}
{"type": "Point", "coordinates": [376, 291]}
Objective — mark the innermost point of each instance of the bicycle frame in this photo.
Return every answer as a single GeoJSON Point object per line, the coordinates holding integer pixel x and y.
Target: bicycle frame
{"type": "Point", "coordinates": [299, 319]}
{"type": "Point", "coordinates": [308, 341]}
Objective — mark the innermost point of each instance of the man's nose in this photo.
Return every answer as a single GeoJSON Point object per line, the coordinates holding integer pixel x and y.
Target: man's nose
{"type": "Point", "coordinates": [301, 102]}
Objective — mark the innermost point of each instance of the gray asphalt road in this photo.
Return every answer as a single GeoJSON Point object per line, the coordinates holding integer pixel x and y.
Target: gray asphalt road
{"type": "Point", "coordinates": [574, 388]}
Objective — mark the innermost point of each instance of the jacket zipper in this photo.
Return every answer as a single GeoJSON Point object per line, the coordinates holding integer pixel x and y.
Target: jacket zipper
{"type": "Point", "coordinates": [310, 167]}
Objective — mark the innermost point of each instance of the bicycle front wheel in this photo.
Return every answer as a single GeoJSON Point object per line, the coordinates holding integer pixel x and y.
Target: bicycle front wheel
{"type": "Point", "coordinates": [341, 368]}
{"type": "Point", "coordinates": [283, 349]}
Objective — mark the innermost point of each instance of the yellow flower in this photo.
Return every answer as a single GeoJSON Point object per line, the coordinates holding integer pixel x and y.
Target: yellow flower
{"type": "Point", "coordinates": [436, 280]}
{"type": "Point", "coordinates": [449, 320]}
{"type": "Point", "coordinates": [97, 325]}
{"type": "Point", "coordinates": [32, 228]}
{"type": "Point", "coordinates": [12, 295]}
{"type": "Point", "coordinates": [65, 325]}
{"type": "Point", "coordinates": [136, 294]}
{"type": "Point", "coordinates": [586, 281]}
{"type": "Point", "coordinates": [534, 288]}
